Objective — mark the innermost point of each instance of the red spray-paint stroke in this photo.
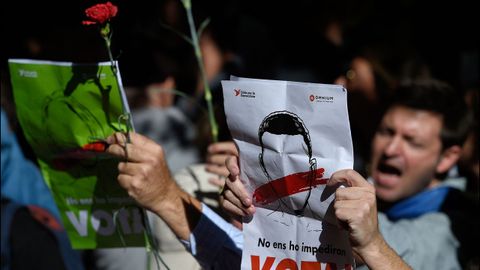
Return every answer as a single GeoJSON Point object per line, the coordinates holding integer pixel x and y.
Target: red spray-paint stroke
{"type": "Point", "coordinates": [98, 146]}
{"type": "Point", "coordinates": [287, 185]}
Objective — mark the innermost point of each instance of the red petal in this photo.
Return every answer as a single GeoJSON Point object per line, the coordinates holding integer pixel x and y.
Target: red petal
{"type": "Point", "coordinates": [88, 22]}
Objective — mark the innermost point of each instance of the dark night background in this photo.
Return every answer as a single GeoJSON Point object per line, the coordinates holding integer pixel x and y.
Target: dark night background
{"type": "Point", "coordinates": [269, 34]}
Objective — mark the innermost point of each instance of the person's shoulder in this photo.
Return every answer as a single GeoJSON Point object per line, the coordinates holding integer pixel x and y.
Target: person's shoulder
{"type": "Point", "coordinates": [424, 242]}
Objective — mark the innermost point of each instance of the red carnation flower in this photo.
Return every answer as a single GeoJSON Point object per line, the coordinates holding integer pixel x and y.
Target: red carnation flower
{"type": "Point", "coordinates": [100, 13]}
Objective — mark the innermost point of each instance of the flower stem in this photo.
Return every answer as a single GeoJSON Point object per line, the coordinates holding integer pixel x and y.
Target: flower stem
{"type": "Point", "coordinates": [126, 115]}
{"type": "Point", "coordinates": [110, 56]}
{"type": "Point", "coordinates": [198, 54]}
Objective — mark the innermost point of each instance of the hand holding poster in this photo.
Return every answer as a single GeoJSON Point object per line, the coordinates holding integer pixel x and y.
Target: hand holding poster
{"type": "Point", "coordinates": [291, 137]}
{"type": "Point", "coordinates": [66, 110]}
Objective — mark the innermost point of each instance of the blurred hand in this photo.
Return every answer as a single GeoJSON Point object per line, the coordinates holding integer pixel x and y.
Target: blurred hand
{"type": "Point", "coordinates": [160, 95]}
{"type": "Point", "coordinates": [360, 78]}
{"type": "Point", "coordinates": [216, 158]}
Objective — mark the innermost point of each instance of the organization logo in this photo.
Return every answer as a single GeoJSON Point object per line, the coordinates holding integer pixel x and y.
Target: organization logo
{"type": "Point", "coordinates": [316, 98]}
{"type": "Point", "coordinates": [242, 93]}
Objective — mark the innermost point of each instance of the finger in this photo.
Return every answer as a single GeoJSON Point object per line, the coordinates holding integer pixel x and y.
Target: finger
{"type": "Point", "coordinates": [116, 150]}
{"type": "Point", "coordinates": [129, 152]}
{"type": "Point", "coordinates": [218, 159]}
{"type": "Point", "coordinates": [130, 168]}
{"type": "Point", "coordinates": [140, 140]}
{"type": "Point", "coordinates": [217, 181]}
{"type": "Point", "coordinates": [219, 170]}
{"type": "Point", "coordinates": [349, 177]}
{"type": "Point", "coordinates": [234, 183]}
{"type": "Point", "coordinates": [223, 147]}
{"type": "Point", "coordinates": [351, 204]}
{"type": "Point", "coordinates": [238, 189]}
{"type": "Point", "coordinates": [140, 150]}
{"type": "Point", "coordinates": [233, 198]}
{"type": "Point", "coordinates": [237, 211]}
{"type": "Point", "coordinates": [359, 210]}
{"type": "Point", "coordinates": [353, 193]}
{"type": "Point", "coordinates": [125, 181]}
{"type": "Point", "coordinates": [133, 138]}
{"type": "Point", "coordinates": [110, 139]}
{"type": "Point", "coordinates": [356, 219]}
{"type": "Point", "coordinates": [345, 214]}
{"type": "Point", "coordinates": [232, 166]}
{"type": "Point", "coordinates": [117, 143]}
{"type": "Point", "coordinates": [116, 138]}
{"type": "Point", "coordinates": [143, 153]}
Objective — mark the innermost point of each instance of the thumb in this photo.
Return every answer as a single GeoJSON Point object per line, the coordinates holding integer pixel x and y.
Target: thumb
{"type": "Point", "coordinates": [232, 166]}
{"type": "Point", "coordinates": [349, 178]}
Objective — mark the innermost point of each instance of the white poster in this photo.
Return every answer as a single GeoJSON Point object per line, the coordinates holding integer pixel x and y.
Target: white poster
{"type": "Point", "coordinates": [291, 137]}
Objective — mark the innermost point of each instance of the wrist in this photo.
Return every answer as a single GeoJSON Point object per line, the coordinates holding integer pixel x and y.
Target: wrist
{"type": "Point", "coordinates": [379, 255]}
{"type": "Point", "coordinates": [180, 211]}
{"type": "Point", "coordinates": [373, 250]}
{"type": "Point", "coordinates": [170, 201]}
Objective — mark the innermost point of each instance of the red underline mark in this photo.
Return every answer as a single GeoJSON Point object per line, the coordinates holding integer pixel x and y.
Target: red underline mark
{"type": "Point", "coordinates": [287, 185]}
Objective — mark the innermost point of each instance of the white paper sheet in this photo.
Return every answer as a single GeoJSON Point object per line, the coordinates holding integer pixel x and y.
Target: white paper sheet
{"type": "Point", "coordinates": [291, 137]}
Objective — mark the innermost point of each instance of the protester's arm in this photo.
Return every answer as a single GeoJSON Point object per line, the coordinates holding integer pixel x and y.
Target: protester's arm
{"type": "Point", "coordinates": [356, 209]}
{"type": "Point", "coordinates": [146, 178]}
{"type": "Point", "coordinates": [215, 243]}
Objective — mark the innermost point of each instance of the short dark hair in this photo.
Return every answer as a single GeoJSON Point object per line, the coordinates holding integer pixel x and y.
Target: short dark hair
{"type": "Point", "coordinates": [285, 122]}
{"type": "Point", "coordinates": [438, 97]}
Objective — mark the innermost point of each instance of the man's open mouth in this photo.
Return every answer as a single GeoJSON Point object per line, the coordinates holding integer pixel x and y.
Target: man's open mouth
{"type": "Point", "coordinates": [388, 169]}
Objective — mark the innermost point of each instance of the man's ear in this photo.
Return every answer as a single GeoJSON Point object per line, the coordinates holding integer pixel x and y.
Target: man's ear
{"type": "Point", "coordinates": [448, 159]}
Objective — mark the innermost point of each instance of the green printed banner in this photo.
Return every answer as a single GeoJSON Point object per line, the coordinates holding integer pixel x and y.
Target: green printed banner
{"type": "Point", "coordinates": [66, 111]}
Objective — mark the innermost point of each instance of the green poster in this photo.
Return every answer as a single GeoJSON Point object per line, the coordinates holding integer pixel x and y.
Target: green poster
{"type": "Point", "coordinates": [66, 110]}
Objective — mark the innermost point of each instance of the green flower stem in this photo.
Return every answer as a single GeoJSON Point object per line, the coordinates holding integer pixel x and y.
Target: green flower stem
{"type": "Point", "coordinates": [107, 36]}
{"type": "Point", "coordinates": [198, 54]}
{"type": "Point", "coordinates": [110, 56]}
